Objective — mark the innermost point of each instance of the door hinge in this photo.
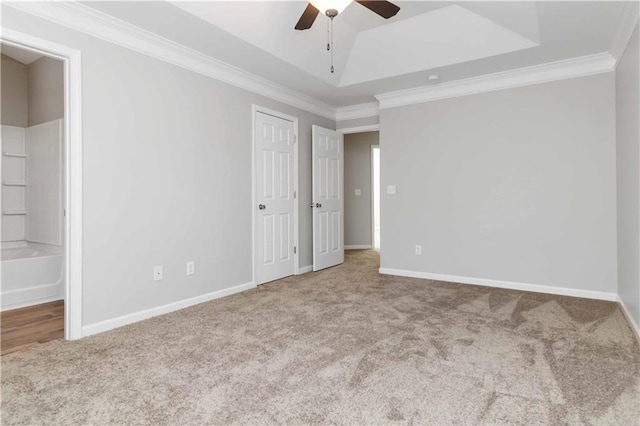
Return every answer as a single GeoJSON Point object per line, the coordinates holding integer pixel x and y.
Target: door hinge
{"type": "Point", "coordinates": [295, 139]}
{"type": "Point", "coordinates": [295, 194]}
{"type": "Point", "coordinates": [295, 250]}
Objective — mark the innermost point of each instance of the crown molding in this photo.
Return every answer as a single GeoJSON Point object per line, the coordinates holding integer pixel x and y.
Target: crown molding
{"type": "Point", "coordinates": [544, 73]}
{"type": "Point", "coordinates": [352, 112]}
{"type": "Point", "coordinates": [359, 129]}
{"type": "Point", "coordinates": [87, 20]}
{"type": "Point", "coordinates": [628, 22]}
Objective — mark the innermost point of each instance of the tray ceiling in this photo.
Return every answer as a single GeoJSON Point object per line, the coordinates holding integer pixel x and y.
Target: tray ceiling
{"type": "Point", "coordinates": [455, 40]}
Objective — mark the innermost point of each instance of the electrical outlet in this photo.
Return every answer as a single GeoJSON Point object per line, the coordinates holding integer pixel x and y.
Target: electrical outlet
{"type": "Point", "coordinates": [358, 192]}
{"type": "Point", "coordinates": [419, 250]}
{"type": "Point", "coordinates": [157, 273]}
{"type": "Point", "coordinates": [191, 268]}
{"type": "Point", "coordinates": [391, 189]}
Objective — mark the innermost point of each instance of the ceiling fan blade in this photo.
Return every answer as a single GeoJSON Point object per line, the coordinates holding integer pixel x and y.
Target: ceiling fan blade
{"type": "Point", "coordinates": [308, 16]}
{"type": "Point", "coordinates": [385, 9]}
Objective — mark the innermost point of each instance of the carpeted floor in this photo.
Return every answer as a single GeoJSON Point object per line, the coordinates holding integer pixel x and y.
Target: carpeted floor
{"type": "Point", "coordinates": [343, 346]}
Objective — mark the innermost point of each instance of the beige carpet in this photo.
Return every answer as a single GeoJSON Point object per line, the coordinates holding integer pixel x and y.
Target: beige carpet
{"type": "Point", "coordinates": [342, 346]}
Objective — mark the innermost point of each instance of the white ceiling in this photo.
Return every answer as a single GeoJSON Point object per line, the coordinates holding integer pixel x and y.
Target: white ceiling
{"type": "Point", "coordinates": [372, 55]}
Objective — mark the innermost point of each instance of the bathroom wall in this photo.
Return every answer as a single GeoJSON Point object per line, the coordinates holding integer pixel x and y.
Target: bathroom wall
{"type": "Point", "coordinates": [14, 83]}
{"type": "Point", "coordinates": [46, 90]}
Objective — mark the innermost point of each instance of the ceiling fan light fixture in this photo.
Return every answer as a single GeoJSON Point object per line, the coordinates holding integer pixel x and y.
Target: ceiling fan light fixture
{"type": "Point", "coordinates": [324, 5]}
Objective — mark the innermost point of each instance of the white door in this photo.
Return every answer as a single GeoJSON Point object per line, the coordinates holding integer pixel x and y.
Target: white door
{"type": "Point", "coordinates": [327, 201]}
{"type": "Point", "coordinates": [274, 182]}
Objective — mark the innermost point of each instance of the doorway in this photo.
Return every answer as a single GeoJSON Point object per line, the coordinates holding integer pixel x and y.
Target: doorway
{"type": "Point", "coordinates": [32, 194]}
{"type": "Point", "coordinates": [362, 190]}
{"type": "Point", "coordinates": [59, 234]}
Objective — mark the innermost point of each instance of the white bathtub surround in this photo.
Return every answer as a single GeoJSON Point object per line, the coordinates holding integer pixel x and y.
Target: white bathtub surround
{"type": "Point", "coordinates": [13, 183]}
{"type": "Point", "coordinates": [31, 275]}
{"type": "Point", "coordinates": [44, 183]}
{"type": "Point", "coordinates": [32, 183]}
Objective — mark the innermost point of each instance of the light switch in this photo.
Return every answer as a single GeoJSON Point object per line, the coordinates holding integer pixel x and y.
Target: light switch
{"type": "Point", "coordinates": [358, 192]}
{"type": "Point", "coordinates": [391, 189]}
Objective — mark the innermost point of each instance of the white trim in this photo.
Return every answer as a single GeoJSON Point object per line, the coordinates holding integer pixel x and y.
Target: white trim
{"type": "Point", "coordinates": [110, 324]}
{"type": "Point", "coordinates": [373, 194]}
{"type": "Point", "coordinates": [296, 207]}
{"type": "Point", "coordinates": [304, 269]}
{"type": "Point", "coordinates": [634, 326]}
{"type": "Point", "coordinates": [359, 129]}
{"type": "Point", "coordinates": [628, 22]}
{"type": "Point", "coordinates": [72, 60]}
{"type": "Point", "coordinates": [351, 112]}
{"type": "Point", "coordinates": [564, 291]}
{"type": "Point", "coordinates": [106, 27]}
{"type": "Point", "coordinates": [543, 73]}
{"type": "Point", "coordinates": [358, 247]}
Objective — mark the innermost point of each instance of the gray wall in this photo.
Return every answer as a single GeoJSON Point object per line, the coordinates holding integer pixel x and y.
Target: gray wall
{"type": "Point", "coordinates": [46, 91]}
{"type": "Point", "coordinates": [628, 182]}
{"type": "Point", "coordinates": [167, 176]}
{"type": "Point", "coordinates": [515, 185]}
{"type": "Point", "coordinates": [357, 175]}
{"type": "Point", "coordinates": [14, 86]}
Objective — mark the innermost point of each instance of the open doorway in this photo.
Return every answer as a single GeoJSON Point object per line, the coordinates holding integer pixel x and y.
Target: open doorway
{"type": "Point", "coordinates": [71, 130]}
{"type": "Point", "coordinates": [32, 192]}
{"type": "Point", "coordinates": [362, 190]}
{"type": "Point", "coordinates": [375, 195]}
{"type": "Point", "coordinates": [37, 152]}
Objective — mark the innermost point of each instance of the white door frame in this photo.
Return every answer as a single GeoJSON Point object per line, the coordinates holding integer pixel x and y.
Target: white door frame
{"type": "Point", "coordinates": [72, 140]}
{"type": "Point", "coordinates": [296, 255]}
{"type": "Point", "coordinates": [373, 216]}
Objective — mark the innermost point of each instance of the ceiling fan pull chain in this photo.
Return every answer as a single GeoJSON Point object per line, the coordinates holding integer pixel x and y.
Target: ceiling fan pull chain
{"type": "Point", "coordinates": [332, 46]}
{"type": "Point", "coordinates": [328, 37]}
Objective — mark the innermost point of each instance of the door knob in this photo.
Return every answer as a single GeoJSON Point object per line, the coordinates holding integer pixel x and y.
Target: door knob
{"type": "Point", "coordinates": [262, 207]}
{"type": "Point", "coordinates": [318, 205]}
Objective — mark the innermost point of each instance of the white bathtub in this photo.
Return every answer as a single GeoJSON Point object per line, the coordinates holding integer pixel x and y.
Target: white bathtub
{"type": "Point", "coordinates": [31, 275]}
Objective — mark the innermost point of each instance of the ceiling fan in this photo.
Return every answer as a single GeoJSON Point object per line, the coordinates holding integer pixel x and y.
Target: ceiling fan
{"type": "Point", "coordinates": [332, 8]}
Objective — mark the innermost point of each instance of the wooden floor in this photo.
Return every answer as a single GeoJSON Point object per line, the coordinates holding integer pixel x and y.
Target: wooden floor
{"type": "Point", "coordinates": [25, 327]}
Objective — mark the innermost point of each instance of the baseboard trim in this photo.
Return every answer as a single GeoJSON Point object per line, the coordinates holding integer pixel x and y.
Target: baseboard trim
{"type": "Point", "coordinates": [356, 247]}
{"type": "Point", "coordinates": [113, 323]}
{"type": "Point", "coordinates": [305, 269]}
{"type": "Point", "coordinates": [536, 288]}
{"type": "Point", "coordinates": [635, 327]}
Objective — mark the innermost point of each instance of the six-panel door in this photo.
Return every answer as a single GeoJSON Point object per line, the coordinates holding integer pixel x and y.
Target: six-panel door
{"type": "Point", "coordinates": [274, 160]}
{"type": "Point", "coordinates": [328, 202]}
